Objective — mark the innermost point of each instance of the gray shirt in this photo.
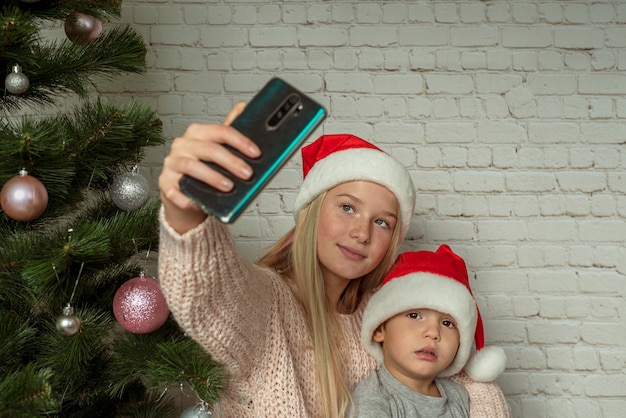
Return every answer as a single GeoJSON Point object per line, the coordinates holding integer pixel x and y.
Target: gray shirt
{"type": "Point", "coordinates": [382, 395]}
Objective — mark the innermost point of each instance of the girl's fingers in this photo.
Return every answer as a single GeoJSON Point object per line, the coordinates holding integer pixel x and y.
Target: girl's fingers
{"type": "Point", "coordinates": [205, 143]}
{"type": "Point", "coordinates": [234, 112]}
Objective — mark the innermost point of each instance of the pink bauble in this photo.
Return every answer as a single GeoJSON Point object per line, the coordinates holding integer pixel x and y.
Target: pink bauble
{"type": "Point", "coordinates": [139, 305]}
{"type": "Point", "coordinates": [82, 28]}
{"type": "Point", "coordinates": [24, 197]}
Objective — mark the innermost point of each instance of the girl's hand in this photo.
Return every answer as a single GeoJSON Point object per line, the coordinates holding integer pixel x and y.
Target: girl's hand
{"type": "Point", "coordinates": [202, 142]}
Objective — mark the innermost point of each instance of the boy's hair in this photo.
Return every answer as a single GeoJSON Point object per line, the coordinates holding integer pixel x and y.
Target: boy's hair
{"type": "Point", "coordinates": [439, 281]}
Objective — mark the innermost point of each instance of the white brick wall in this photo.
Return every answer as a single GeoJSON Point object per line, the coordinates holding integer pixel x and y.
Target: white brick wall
{"type": "Point", "coordinates": [511, 117]}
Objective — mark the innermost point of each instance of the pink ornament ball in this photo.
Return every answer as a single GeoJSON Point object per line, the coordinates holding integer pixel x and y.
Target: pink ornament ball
{"type": "Point", "coordinates": [24, 197]}
{"type": "Point", "coordinates": [82, 28]}
{"type": "Point", "coordinates": [139, 305]}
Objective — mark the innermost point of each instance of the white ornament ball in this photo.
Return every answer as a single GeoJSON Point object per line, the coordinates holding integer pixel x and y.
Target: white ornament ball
{"type": "Point", "coordinates": [196, 411]}
{"type": "Point", "coordinates": [16, 82]}
{"type": "Point", "coordinates": [68, 324]}
{"type": "Point", "coordinates": [130, 190]}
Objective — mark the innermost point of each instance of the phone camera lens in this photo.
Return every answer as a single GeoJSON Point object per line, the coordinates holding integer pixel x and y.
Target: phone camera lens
{"type": "Point", "coordinates": [284, 110]}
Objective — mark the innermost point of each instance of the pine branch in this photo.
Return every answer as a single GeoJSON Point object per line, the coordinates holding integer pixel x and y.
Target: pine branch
{"type": "Point", "coordinates": [26, 393]}
{"type": "Point", "coordinates": [152, 405]}
{"type": "Point", "coordinates": [17, 337]}
{"type": "Point", "coordinates": [184, 360]}
{"type": "Point", "coordinates": [170, 362]}
{"type": "Point", "coordinates": [116, 51]}
{"type": "Point", "coordinates": [60, 151]}
{"type": "Point", "coordinates": [59, 68]}
{"type": "Point", "coordinates": [59, 9]}
{"type": "Point", "coordinates": [77, 360]}
{"type": "Point", "coordinates": [107, 244]}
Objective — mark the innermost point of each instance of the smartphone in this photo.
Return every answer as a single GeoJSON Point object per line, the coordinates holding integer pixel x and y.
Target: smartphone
{"type": "Point", "coordinates": [279, 118]}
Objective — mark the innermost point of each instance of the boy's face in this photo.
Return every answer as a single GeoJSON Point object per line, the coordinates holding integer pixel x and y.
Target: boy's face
{"type": "Point", "coordinates": [417, 345]}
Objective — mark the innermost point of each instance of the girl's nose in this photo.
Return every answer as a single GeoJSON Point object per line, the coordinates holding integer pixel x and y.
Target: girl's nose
{"type": "Point", "coordinates": [360, 231]}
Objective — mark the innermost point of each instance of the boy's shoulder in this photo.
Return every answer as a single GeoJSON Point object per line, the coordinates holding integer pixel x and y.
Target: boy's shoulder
{"type": "Point", "coordinates": [371, 383]}
{"type": "Point", "coordinates": [370, 397]}
{"type": "Point", "coordinates": [453, 390]}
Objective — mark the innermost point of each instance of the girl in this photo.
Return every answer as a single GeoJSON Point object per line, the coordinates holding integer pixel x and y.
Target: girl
{"type": "Point", "coordinates": [287, 328]}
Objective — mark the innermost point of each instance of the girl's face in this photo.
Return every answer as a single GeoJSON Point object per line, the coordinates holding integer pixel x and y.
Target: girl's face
{"type": "Point", "coordinates": [418, 344]}
{"type": "Point", "coordinates": [356, 224]}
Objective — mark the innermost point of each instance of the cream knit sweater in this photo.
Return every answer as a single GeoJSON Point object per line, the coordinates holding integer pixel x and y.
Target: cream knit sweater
{"type": "Point", "coordinates": [248, 320]}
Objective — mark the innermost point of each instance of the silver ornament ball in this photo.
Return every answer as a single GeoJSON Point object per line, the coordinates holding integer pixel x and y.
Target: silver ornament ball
{"type": "Point", "coordinates": [130, 190]}
{"type": "Point", "coordinates": [196, 411]}
{"type": "Point", "coordinates": [16, 82]}
{"type": "Point", "coordinates": [68, 324]}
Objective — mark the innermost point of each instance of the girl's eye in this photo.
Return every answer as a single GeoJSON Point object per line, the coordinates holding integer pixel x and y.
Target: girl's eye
{"type": "Point", "coordinates": [414, 315]}
{"type": "Point", "coordinates": [347, 208]}
{"type": "Point", "coordinates": [382, 222]}
{"type": "Point", "coordinates": [449, 324]}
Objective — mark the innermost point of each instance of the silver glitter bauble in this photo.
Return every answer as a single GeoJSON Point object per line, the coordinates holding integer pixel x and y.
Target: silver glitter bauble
{"type": "Point", "coordinates": [196, 411]}
{"type": "Point", "coordinates": [68, 324]}
{"type": "Point", "coordinates": [16, 82]}
{"type": "Point", "coordinates": [130, 190]}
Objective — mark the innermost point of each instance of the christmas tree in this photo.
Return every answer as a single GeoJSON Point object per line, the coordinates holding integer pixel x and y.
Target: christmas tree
{"type": "Point", "coordinates": [84, 329]}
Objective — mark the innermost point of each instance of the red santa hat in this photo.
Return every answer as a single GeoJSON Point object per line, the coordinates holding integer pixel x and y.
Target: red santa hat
{"type": "Point", "coordinates": [438, 281]}
{"type": "Point", "coordinates": [335, 159]}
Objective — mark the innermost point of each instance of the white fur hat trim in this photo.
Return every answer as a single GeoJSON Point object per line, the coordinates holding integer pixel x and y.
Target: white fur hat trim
{"type": "Point", "coordinates": [360, 164]}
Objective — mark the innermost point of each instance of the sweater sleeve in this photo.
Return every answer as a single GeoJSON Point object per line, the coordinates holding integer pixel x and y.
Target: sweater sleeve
{"type": "Point", "coordinates": [486, 399]}
{"type": "Point", "coordinates": [221, 300]}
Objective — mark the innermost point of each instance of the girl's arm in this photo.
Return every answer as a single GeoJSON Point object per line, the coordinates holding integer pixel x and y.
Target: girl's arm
{"type": "Point", "coordinates": [219, 299]}
{"type": "Point", "coordinates": [486, 399]}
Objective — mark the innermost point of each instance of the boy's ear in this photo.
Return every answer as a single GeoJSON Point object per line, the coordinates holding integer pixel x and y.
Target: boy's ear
{"type": "Point", "coordinates": [379, 333]}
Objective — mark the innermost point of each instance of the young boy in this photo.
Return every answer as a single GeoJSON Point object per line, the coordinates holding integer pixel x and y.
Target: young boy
{"type": "Point", "coordinates": [420, 326]}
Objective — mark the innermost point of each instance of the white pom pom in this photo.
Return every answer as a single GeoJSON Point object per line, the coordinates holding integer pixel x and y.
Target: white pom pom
{"type": "Point", "coordinates": [486, 365]}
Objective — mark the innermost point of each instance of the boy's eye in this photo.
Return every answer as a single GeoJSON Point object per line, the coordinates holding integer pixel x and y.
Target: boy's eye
{"type": "Point", "coordinates": [414, 315]}
{"type": "Point", "coordinates": [449, 324]}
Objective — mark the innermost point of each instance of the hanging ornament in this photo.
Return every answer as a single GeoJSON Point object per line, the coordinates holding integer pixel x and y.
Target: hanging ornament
{"type": "Point", "coordinates": [30, 1]}
{"type": "Point", "coordinates": [68, 324]}
{"type": "Point", "coordinates": [130, 190]}
{"type": "Point", "coordinates": [197, 411]}
{"type": "Point", "coordinates": [81, 28]}
{"type": "Point", "coordinates": [139, 305]}
{"type": "Point", "coordinates": [16, 82]}
{"type": "Point", "coordinates": [24, 197]}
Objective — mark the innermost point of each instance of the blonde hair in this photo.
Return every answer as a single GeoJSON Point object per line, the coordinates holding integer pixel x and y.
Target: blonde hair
{"type": "Point", "coordinates": [294, 257]}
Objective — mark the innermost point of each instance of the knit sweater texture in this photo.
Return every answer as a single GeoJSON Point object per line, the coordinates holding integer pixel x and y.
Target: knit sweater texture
{"type": "Point", "coordinates": [247, 318]}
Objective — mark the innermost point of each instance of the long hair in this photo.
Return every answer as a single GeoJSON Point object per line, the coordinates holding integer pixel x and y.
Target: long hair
{"type": "Point", "coordinates": [294, 257]}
